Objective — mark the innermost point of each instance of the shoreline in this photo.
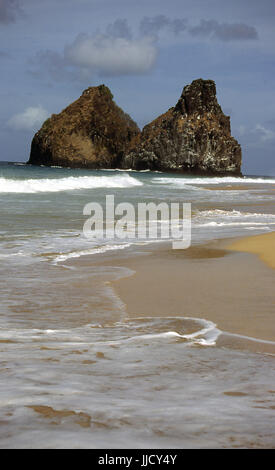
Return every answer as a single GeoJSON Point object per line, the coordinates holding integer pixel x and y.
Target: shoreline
{"type": "Point", "coordinates": [261, 245]}
{"type": "Point", "coordinates": [217, 281]}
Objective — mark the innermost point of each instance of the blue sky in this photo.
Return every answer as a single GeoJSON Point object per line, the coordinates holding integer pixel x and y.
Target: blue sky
{"type": "Point", "coordinates": [146, 52]}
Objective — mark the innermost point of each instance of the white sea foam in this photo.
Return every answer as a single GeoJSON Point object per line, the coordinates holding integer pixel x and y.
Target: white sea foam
{"type": "Point", "coordinates": [122, 332]}
{"type": "Point", "coordinates": [232, 224]}
{"type": "Point", "coordinates": [67, 184]}
{"type": "Point", "coordinates": [183, 181]}
{"type": "Point", "coordinates": [249, 338]}
{"type": "Point", "coordinates": [8, 255]}
{"type": "Point", "coordinates": [206, 334]}
{"type": "Point", "coordinates": [235, 213]}
{"type": "Point", "coordinates": [129, 170]}
{"type": "Point", "coordinates": [233, 218]}
{"type": "Point", "coordinates": [93, 251]}
{"type": "Point", "coordinates": [205, 337]}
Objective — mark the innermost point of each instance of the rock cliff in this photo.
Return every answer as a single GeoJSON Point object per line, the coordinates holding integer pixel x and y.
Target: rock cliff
{"type": "Point", "coordinates": [93, 132]}
{"type": "Point", "coordinates": [193, 137]}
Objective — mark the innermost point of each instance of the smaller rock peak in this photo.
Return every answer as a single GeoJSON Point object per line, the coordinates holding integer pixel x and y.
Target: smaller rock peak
{"type": "Point", "coordinates": [102, 90]}
{"type": "Point", "coordinates": [199, 97]}
{"type": "Point", "coordinates": [201, 84]}
{"type": "Point", "coordinates": [88, 91]}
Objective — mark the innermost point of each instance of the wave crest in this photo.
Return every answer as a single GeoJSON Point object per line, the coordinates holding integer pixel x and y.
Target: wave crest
{"type": "Point", "coordinates": [66, 184]}
{"type": "Point", "coordinates": [189, 181]}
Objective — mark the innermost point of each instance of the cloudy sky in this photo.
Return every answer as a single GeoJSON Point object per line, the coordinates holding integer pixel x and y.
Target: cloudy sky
{"type": "Point", "coordinates": [146, 52]}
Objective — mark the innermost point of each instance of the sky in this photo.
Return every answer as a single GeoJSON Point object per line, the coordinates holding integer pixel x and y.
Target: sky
{"type": "Point", "coordinates": [145, 52]}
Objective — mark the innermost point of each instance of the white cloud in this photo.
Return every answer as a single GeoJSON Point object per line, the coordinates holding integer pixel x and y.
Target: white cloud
{"type": "Point", "coordinates": [29, 120]}
{"type": "Point", "coordinates": [265, 134]}
{"type": "Point", "coordinates": [256, 135]}
{"type": "Point", "coordinates": [103, 54]}
{"type": "Point", "coordinates": [119, 49]}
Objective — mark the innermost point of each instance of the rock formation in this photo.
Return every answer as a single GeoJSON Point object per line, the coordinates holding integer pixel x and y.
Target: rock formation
{"type": "Point", "coordinates": [193, 137]}
{"type": "Point", "coordinates": [93, 132]}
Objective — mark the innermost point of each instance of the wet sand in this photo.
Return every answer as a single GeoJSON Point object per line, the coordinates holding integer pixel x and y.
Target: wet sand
{"type": "Point", "coordinates": [230, 187]}
{"type": "Point", "coordinates": [235, 187]}
{"type": "Point", "coordinates": [233, 289]}
{"type": "Point", "coordinates": [261, 245]}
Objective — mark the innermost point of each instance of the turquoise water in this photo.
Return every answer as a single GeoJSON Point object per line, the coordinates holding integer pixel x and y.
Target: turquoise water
{"type": "Point", "coordinates": [66, 342]}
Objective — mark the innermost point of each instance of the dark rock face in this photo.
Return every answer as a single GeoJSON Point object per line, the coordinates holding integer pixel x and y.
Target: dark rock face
{"type": "Point", "coordinates": [193, 137]}
{"type": "Point", "coordinates": [93, 132]}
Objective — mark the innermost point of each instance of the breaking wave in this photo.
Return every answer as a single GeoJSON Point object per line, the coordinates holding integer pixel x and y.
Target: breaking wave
{"type": "Point", "coordinates": [66, 184]}
{"type": "Point", "coordinates": [93, 251]}
{"type": "Point", "coordinates": [220, 218]}
{"type": "Point", "coordinates": [188, 181]}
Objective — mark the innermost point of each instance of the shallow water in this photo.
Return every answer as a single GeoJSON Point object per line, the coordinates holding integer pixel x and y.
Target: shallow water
{"type": "Point", "coordinates": [75, 371]}
{"type": "Point", "coordinates": [125, 385]}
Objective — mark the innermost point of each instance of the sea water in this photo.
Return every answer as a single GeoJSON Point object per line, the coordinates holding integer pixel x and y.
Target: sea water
{"type": "Point", "coordinates": [75, 371]}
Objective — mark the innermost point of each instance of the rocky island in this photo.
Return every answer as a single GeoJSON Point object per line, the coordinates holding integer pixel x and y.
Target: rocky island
{"type": "Point", "coordinates": [93, 132]}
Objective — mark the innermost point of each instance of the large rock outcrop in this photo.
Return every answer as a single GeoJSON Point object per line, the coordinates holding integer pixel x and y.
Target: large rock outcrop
{"type": "Point", "coordinates": [193, 137]}
{"type": "Point", "coordinates": [92, 132]}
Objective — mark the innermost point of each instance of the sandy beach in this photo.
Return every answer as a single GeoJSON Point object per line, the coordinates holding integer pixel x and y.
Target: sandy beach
{"type": "Point", "coordinates": [261, 245]}
{"type": "Point", "coordinates": [221, 281]}
{"type": "Point", "coordinates": [126, 341]}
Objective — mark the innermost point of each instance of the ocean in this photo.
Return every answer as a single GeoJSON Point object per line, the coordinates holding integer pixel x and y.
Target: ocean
{"type": "Point", "coordinates": [76, 371]}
